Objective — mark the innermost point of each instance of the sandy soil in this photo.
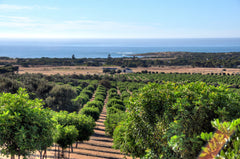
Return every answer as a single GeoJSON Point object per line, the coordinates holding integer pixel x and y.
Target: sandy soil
{"type": "Point", "coordinates": [66, 70]}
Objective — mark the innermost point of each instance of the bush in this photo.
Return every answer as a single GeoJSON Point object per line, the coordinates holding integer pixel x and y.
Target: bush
{"type": "Point", "coordinates": [25, 126]}
{"type": "Point", "coordinates": [99, 98]}
{"type": "Point", "coordinates": [119, 106]}
{"type": "Point", "coordinates": [84, 124]}
{"type": "Point", "coordinates": [96, 104]}
{"type": "Point", "coordinates": [66, 135]}
{"type": "Point", "coordinates": [113, 110]}
{"type": "Point", "coordinates": [61, 98]}
{"type": "Point", "coordinates": [91, 111]}
{"type": "Point", "coordinates": [8, 85]}
{"type": "Point", "coordinates": [168, 118]}
{"type": "Point", "coordinates": [81, 100]}
{"type": "Point", "coordinates": [87, 92]}
{"type": "Point", "coordinates": [114, 101]}
{"type": "Point", "coordinates": [79, 89]}
{"type": "Point", "coordinates": [113, 95]}
{"type": "Point", "coordinates": [112, 121]}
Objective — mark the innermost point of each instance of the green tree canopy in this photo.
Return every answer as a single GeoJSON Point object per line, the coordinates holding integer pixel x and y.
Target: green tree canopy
{"type": "Point", "coordinates": [168, 118]}
{"type": "Point", "coordinates": [61, 98]}
{"type": "Point", "coordinates": [24, 125]}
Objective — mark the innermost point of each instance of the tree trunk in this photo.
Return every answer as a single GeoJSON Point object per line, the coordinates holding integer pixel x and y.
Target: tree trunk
{"type": "Point", "coordinates": [12, 157]}
{"type": "Point", "coordinates": [69, 153]}
{"type": "Point", "coordinates": [40, 152]}
{"type": "Point", "coordinates": [58, 152]}
{"type": "Point", "coordinates": [44, 153]}
{"type": "Point", "coordinates": [76, 144]}
{"type": "Point", "coordinates": [71, 146]}
{"type": "Point", "coordinates": [55, 151]}
{"type": "Point", "coordinates": [62, 153]}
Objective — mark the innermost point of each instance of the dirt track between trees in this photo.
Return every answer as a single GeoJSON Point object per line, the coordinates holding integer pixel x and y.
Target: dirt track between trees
{"type": "Point", "coordinates": [98, 147]}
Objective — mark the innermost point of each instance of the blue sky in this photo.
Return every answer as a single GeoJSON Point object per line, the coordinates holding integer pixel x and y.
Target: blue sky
{"type": "Point", "coordinates": [119, 18]}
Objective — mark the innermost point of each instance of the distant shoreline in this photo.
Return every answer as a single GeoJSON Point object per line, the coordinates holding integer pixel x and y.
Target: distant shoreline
{"type": "Point", "coordinates": [100, 48]}
{"type": "Point", "coordinates": [165, 54]}
{"type": "Point", "coordinates": [176, 53]}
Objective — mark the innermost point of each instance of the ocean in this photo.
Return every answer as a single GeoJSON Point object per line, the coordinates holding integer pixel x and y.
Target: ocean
{"type": "Point", "coordinates": [100, 48]}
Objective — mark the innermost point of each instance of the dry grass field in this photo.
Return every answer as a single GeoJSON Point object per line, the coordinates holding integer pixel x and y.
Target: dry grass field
{"type": "Point", "coordinates": [67, 70]}
{"type": "Point", "coordinates": [63, 70]}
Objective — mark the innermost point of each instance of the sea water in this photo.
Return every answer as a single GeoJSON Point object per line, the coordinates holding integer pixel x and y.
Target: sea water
{"type": "Point", "coordinates": [101, 48]}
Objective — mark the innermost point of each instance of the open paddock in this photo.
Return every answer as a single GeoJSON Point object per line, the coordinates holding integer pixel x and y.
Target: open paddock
{"type": "Point", "coordinates": [68, 70]}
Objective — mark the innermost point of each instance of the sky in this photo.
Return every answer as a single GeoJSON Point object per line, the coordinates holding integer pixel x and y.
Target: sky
{"type": "Point", "coordinates": [119, 19]}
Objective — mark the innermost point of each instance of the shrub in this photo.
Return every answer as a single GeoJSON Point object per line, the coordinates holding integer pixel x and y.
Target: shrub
{"type": "Point", "coordinates": [168, 118]}
{"type": "Point", "coordinates": [24, 125]}
{"type": "Point", "coordinates": [114, 101]}
{"type": "Point", "coordinates": [119, 106]}
{"type": "Point", "coordinates": [96, 104]}
{"type": "Point", "coordinates": [112, 121]}
{"type": "Point", "coordinates": [91, 111]}
{"type": "Point", "coordinates": [99, 98]}
{"type": "Point", "coordinates": [61, 97]}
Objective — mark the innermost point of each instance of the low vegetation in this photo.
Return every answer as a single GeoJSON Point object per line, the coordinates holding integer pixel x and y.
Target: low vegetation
{"type": "Point", "coordinates": [195, 59]}
{"type": "Point", "coordinates": [149, 114]}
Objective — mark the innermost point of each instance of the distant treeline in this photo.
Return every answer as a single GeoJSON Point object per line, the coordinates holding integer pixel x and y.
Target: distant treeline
{"type": "Point", "coordinates": [217, 60]}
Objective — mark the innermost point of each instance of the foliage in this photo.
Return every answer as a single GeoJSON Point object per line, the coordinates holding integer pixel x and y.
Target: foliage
{"type": "Point", "coordinates": [97, 104]}
{"type": "Point", "coordinates": [9, 85]}
{"type": "Point", "coordinates": [91, 111]}
{"type": "Point", "coordinates": [115, 111]}
{"type": "Point", "coordinates": [66, 135]}
{"type": "Point", "coordinates": [84, 96]}
{"type": "Point", "coordinates": [168, 118]}
{"type": "Point", "coordinates": [8, 69]}
{"type": "Point", "coordinates": [84, 124]}
{"type": "Point", "coordinates": [114, 101]}
{"type": "Point", "coordinates": [61, 97]}
{"type": "Point", "coordinates": [112, 121]}
{"type": "Point", "coordinates": [226, 131]}
{"type": "Point", "coordinates": [94, 108]}
{"type": "Point", "coordinates": [106, 83]}
{"type": "Point", "coordinates": [24, 125]}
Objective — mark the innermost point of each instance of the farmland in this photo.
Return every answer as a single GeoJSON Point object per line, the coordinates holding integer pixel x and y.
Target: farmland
{"type": "Point", "coordinates": [86, 107]}
{"type": "Point", "coordinates": [68, 70]}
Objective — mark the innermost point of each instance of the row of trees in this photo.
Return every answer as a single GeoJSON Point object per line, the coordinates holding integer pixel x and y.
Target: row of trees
{"type": "Point", "coordinates": [219, 60]}
{"type": "Point", "coordinates": [27, 127]}
{"type": "Point", "coordinates": [233, 80]}
{"type": "Point", "coordinates": [166, 121]}
{"type": "Point", "coordinates": [57, 92]}
{"type": "Point", "coordinates": [9, 69]}
{"type": "Point", "coordinates": [94, 108]}
{"type": "Point", "coordinates": [115, 111]}
{"type": "Point", "coordinates": [84, 96]}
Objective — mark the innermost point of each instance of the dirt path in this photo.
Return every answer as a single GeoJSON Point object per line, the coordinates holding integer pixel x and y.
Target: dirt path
{"type": "Point", "coordinates": [99, 146]}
